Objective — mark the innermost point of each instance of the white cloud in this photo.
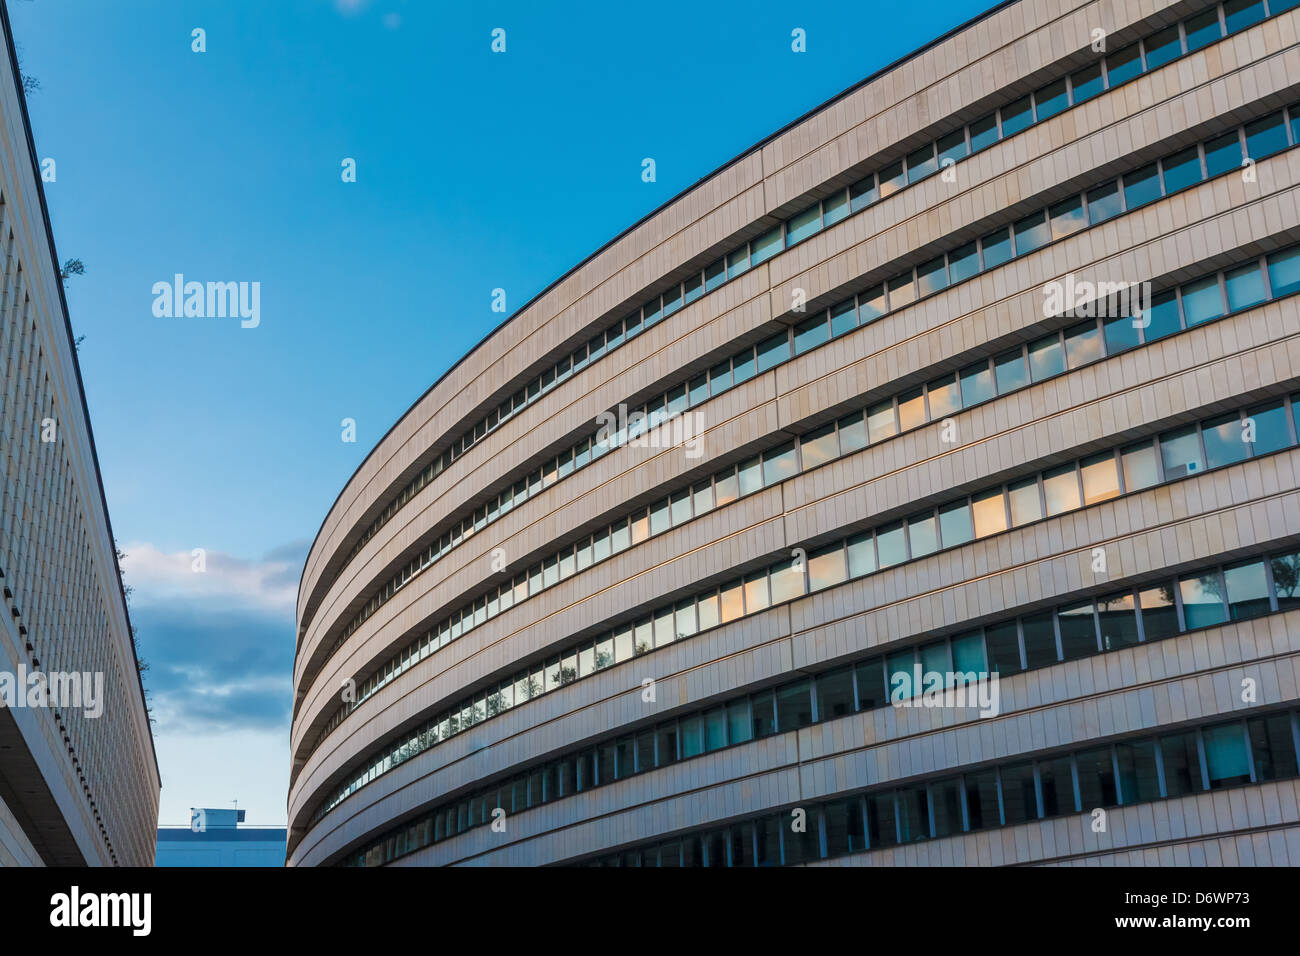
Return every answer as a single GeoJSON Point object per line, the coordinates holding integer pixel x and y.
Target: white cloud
{"type": "Point", "coordinates": [157, 577]}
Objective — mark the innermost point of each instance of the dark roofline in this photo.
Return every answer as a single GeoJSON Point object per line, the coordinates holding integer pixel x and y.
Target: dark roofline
{"type": "Point", "coordinates": [636, 225]}
{"type": "Point", "coordinates": [76, 366]}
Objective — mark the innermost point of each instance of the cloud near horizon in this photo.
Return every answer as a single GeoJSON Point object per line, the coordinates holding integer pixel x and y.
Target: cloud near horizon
{"type": "Point", "coordinates": [219, 642]}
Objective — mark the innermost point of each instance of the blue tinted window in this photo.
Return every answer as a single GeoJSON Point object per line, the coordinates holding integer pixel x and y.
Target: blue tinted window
{"type": "Point", "coordinates": [1203, 29]}
{"type": "Point", "coordinates": [1141, 186]}
{"type": "Point", "coordinates": [1032, 232]}
{"type": "Point", "coordinates": [1223, 154]}
{"type": "Point", "coordinates": [1182, 169]}
{"type": "Point", "coordinates": [1202, 300]}
{"type": "Point", "coordinates": [1124, 65]}
{"type": "Point", "coordinates": [1163, 47]}
{"type": "Point", "coordinates": [1163, 319]}
{"type": "Point", "coordinates": [983, 132]}
{"type": "Point", "coordinates": [921, 163]}
{"type": "Point", "coordinates": [1087, 83]}
{"type": "Point", "coordinates": [1284, 271]}
{"type": "Point", "coordinates": [1245, 287]}
{"type": "Point", "coordinates": [1050, 100]}
{"type": "Point", "coordinates": [1239, 14]}
{"type": "Point", "coordinates": [1017, 116]}
{"type": "Point", "coordinates": [1104, 202]}
{"type": "Point", "coordinates": [1266, 136]}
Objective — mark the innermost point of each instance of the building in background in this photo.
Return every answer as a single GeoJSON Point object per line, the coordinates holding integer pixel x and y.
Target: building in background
{"type": "Point", "coordinates": [79, 779]}
{"type": "Point", "coordinates": [215, 838]}
{"type": "Point", "coordinates": [987, 367]}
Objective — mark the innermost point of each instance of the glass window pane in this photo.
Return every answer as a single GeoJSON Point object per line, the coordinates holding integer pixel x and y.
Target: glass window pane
{"type": "Point", "coordinates": [1202, 300]}
{"type": "Point", "coordinates": [844, 318]}
{"type": "Point", "coordinates": [1104, 202]}
{"type": "Point", "coordinates": [1026, 505]}
{"type": "Point", "coordinates": [835, 694]}
{"type": "Point", "coordinates": [1202, 29]}
{"type": "Point", "coordinates": [1141, 186]}
{"type": "Point", "coordinates": [811, 333]}
{"type": "Point", "coordinates": [862, 555]}
{"type": "Point", "coordinates": [1284, 270]}
{"type": "Point", "coordinates": [826, 567]}
{"type": "Point", "coordinates": [844, 828]}
{"type": "Point", "coordinates": [1019, 802]}
{"type": "Point", "coordinates": [963, 262]}
{"type": "Point", "coordinates": [773, 351]}
{"type": "Point", "coordinates": [1078, 631]}
{"type": "Point", "coordinates": [911, 409]}
{"type": "Point", "coordinates": [1245, 287]}
{"type": "Point", "coordinates": [1225, 755]}
{"type": "Point", "coordinates": [1182, 169]}
{"type": "Point", "coordinates": [1273, 746]}
{"type": "Point", "coordinates": [955, 525]}
{"type": "Point", "coordinates": [819, 446]}
{"type": "Point", "coordinates": [1003, 644]}
{"type": "Point", "coordinates": [1223, 154]}
{"type": "Point", "coordinates": [1224, 440]}
{"type": "Point", "coordinates": [1067, 217]}
{"type": "Point", "coordinates": [1100, 478]}
{"type": "Point", "coordinates": [1050, 100]}
{"type": "Point", "coordinates": [853, 433]}
{"type": "Point", "coordinates": [863, 194]}
{"type": "Point", "coordinates": [880, 421]}
{"type": "Point", "coordinates": [737, 262]}
{"type": "Point", "coordinates": [1117, 615]}
{"type": "Point", "coordinates": [1163, 47]}
{"type": "Point", "coordinates": [944, 396]}
{"type": "Point", "coordinates": [1202, 596]}
{"type": "Point", "coordinates": [835, 207]}
{"type": "Point", "coordinates": [931, 276]}
{"type": "Point", "coordinates": [1082, 344]}
{"type": "Point", "coordinates": [881, 827]}
{"type": "Point", "coordinates": [804, 224]}
{"type": "Point", "coordinates": [1239, 14]}
{"type": "Point", "coordinates": [1267, 429]}
{"type": "Point", "coordinates": [871, 304]}
{"type": "Point", "coordinates": [968, 655]}
{"type": "Point", "coordinates": [989, 511]}
{"type": "Point", "coordinates": [787, 581]}
{"type": "Point", "coordinates": [1087, 83]}
{"type": "Point", "coordinates": [1046, 358]}
{"type": "Point", "coordinates": [780, 464]}
{"type": "Point", "coordinates": [766, 245]}
{"type": "Point", "coordinates": [952, 146]}
{"type": "Point", "coordinates": [1286, 580]}
{"type": "Point", "coordinates": [921, 163]}
{"type": "Point", "coordinates": [1057, 783]}
{"type": "Point", "coordinates": [1180, 452]}
{"type": "Point", "coordinates": [983, 132]}
{"type": "Point", "coordinates": [914, 813]}
{"type": "Point", "coordinates": [1138, 778]}
{"type": "Point", "coordinates": [1096, 779]}
{"type": "Point", "coordinates": [750, 477]}
{"type": "Point", "coordinates": [1120, 334]}
{"type": "Point", "coordinates": [1163, 318]}
{"type": "Point", "coordinates": [1061, 490]}
{"type": "Point", "coordinates": [891, 545]}
{"type": "Point", "coordinates": [793, 706]}
{"type": "Point", "coordinates": [756, 593]}
{"type": "Point", "coordinates": [1159, 614]}
{"type": "Point", "coordinates": [996, 248]}
{"type": "Point", "coordinates": [977, 384]}
{"type": "Point", "coordinates": [922, 534]}
{"type": "Point", "coordinates": [1040, 639]}
{"type": "Point", "coordinates": [1182, 764]}
{"type": "Point", "coordinates": [871, 684]}
{"type": "Point", "coordinates": [1032, 232]}
{"type": "Point", "coordinates": [1124, 65]}
{"type": "Point", "coordinates": [1266, 136]}
{"type": "Point", "coordinates": [901, 291]}
{"type": "Point", "coordinates": [982, 799]}
{"type": "Point", "coordinates": [1016, 116]}
{"type": "Point", "coordinates": [1247, 588]}
{"type": "Point", "coordinates": [891, 179]}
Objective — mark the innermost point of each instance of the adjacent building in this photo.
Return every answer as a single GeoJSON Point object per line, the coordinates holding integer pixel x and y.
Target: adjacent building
{"type": "Point", "coordinates": [983, 376]}
{"type": "Point", "coordinates": [79, 778]}
{"type": "Point", "coordinates": [215, 838]}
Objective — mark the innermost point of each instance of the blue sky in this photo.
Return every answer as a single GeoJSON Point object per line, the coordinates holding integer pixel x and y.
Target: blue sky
{"type": "Point", "coordinates": [475, 171]}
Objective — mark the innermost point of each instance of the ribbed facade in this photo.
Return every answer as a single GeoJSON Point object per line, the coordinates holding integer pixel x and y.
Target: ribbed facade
{"type": "Point", "coordinates": [79, 779]}
{"type": "Point", "coordinates": [634, 582]}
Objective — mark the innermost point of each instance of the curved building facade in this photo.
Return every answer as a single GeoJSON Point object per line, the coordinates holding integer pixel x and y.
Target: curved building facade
{"type": "Point", "coordinates": [985, 374]}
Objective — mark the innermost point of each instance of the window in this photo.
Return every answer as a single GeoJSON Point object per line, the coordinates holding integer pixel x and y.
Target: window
{"type": "Point", "coordinates": [891, 179]}
{"type": "Point", "coordinates": [862, 555]}
{"type": "Point", "coordinates": [1087, 83]}
{"type": "Point", "coordinates": [1120, 334]}
{"type": "Point", "coordinates": [853, 433]}
{"type": "Point", "coordinates": [1067, 217]}
{"type": "Point", "coordinates": [766, 245]}
{"type": "Point", "coordinates": [1286, 580]}
{"type": "Point", "coordinates": [819, 446]}
{"type": "Point", "coordinates": [756, 593]}
{"type": "Point", "coordinates": [793, 706]}
{"type": "Point", "coordinates": [1284, 271]}
{"type": "Point", "coordinates": [742, 366]}
{"type": "Point", "coordinates": [1032, 232]}
{"type": "Point", "coordinates": [1124, 65]}
{"type": "Point", "coordinates": [1182, 764]}
{"type": "Point", "coordinates": [1203, 29]}
{"type": "Point", "coordinates": [1082, 344]}
{"type": "Point", "coordinates": [963, 262]}
{"type": "Point", "coordinates": [1057, 785]}
{"type": "Point", "coordinates": [952, 147]}
{"type": "Point", "coordinates": [1163, 47]}
{"type": "Point", "coordinates": [1266, 136]}
{"type": "Point", "coordinates": [1061, 490]}
{"type": "Point", "coordinates": [834, 208]}
{"type": "Point", "coordinates": [921, 163]}
{"type": "Point", "coordinates": [880, 421]}
{"type": "Point", "coordinates": [787, 582]}
{"type": "Point", "coordinates": [1141, 186]}
{"type": "Point", "coordinates": [1223, 154]}
{"type": "Point", "coordinates": [882, 829]}
{"type": "Point", "coordinates": [1019, 802]}
{"type": "Point", "coordinates": [1224, 440]}
{"type": "Point", "coordinates": [1202, 596]}
{"type": "Point", "coordinates": [1182, 169]}
{"type": "Point", "coordinates": [1239, 14]}
{"type": "Point", "coordinates": [901, 291]}
{"type": "Point", "coordinates": [835, 694]}
{"type": "Point", "coordinates": [1117, 615]}
{"type": "Point", "coordinates": [944, 396]}
{"type": "Point", "coordinates": [1163, 318]}
{"type": "Point", "coordinates": [1046, 358]}
{"type": "Point", "coordinates": [911, 409]}
{"type": "Point", "coordinates": [983, 132]}
{"type": "Point", "coordinates": [1273, 747]}
{"type": "Point", "coordinates": [1024, 500]}
{"type": "Point", "coordinates": [1139, 463]}
{"type": "Point", "coordinates": [1159, 613]}
{"type": "Point", "coordinates": [982, 799]}
{"type": "Point", "coordinates": [1271, 430]}
{"type": "Point", "coordinates": [1138, 777]}
{"type": "Point", "coordinates": [931, 276]}
{"type": "Point", "coordinates": [1202, 300]}
{"type": "Point", "coordinates": [1017, 116]}
{"type": "Point", "coordinates": [1096, 779]}
{"type": "Point", "coordinates": [826, 567]}
{"type": "Point", "coordinates": [844, 318]}
{"type": "Point", "coordinates": [779, 464]}
{"type": "Point", "coordinates": [737, 262]}
{"type": "Point", "coordinates": [1226, 760]}
{"type": "Point", "coordinates": [1180, 453]}
{"type": "Point", "coordinates": [1078, 631]}
{"type": "Point", "coordinates": [773, 351]}
{"type": "Point", "coordinates": [862, 194]}
{"type": "Point", "coordinates": [844, 828]}
{"type": "Point", "coordinates": [1100, 478]}
{"type": "Point", "coordinates": [1247, 586]}
{"type": "Point", "coordinates": [871, 304]}
{"type": "Point", "coordinates": [1039, 632]}
{"type": "Point", "coordinates": [1050, 100]}
{"type": "Point", "coordinates": [922, 534]}
{"type": "Point", "coordinates": [976, 384]}
{"type": "Point", "coordinates": [1245, 287]}
{"type": "Point", "coordinates": [871, 684]}
{"type": "Point", "coordinates": [1104, 202]}
{"type": "Point", "coordinates": [891, 545]}
{"type": "Point", "coordinates": [989, 512]}
{"type": "Point", "coordinates": [803, 225]}
{"type": "Point", "coordinates": [1002, 642]}
{"type": "Point", "coordinates": [996, 248]}
{"type": "Point", "coordinates": [955, 524]}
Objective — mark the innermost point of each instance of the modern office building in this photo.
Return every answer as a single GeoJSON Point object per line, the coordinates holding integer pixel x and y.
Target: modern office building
{"type": "Point", "coordinates": [78, 775]}
{"type": "Point", "coordinates": [895, 408]}
{"type": "Point", "coordinates": [215, 838]}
